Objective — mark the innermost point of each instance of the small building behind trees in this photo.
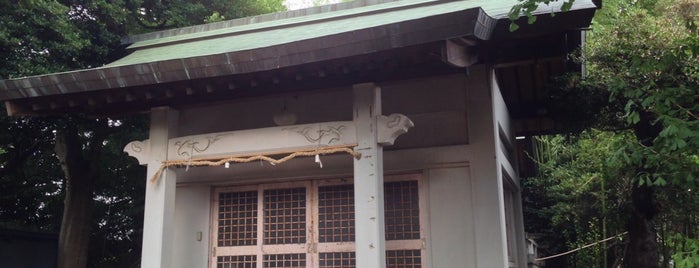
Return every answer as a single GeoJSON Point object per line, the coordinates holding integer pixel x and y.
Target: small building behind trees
{"type": "Point", "coordinates": [360, 134]}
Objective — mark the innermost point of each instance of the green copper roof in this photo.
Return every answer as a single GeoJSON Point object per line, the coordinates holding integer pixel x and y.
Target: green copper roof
{"type": "Point", "coordinates": [290, 30]}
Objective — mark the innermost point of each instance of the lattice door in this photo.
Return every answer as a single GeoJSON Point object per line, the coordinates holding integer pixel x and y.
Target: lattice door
{"type": "Point", "coordinates": [404, 243]}
{"type": "Point", "coordinates": [262, 226]}
{"type": "Point", "coordinates": [311, 224]}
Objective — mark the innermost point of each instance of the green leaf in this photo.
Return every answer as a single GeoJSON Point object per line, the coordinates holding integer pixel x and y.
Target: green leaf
{"type": "Point", "coordinates": [531, 19]}
{"type": "Point", "coordinates": [513, 27]}
{"type": "Point", "coordinates": [680, 143]}
{"type": "Point", "coordinates": [514, 12]}
{"type": "Point", "coordinates": [567, 5]}
{"type": "Point", "coordinates": [634, 118]}
{"type": "Point", "coordinates": [660, 181]}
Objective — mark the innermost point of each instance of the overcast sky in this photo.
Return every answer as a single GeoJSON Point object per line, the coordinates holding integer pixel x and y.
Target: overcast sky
{"type": "Point", "coordinates": [299, 4]}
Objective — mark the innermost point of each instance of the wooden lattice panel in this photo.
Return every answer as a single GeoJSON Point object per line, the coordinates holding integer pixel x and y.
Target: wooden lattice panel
{"type": "Point", "coordinates": [403, 259]}
{"type": "Point", "coordinates": [336, 214]}
{"type": "Point", "coordinates": [285, 216]}
{"type": "Point", "coordinates": [311, 224]}
{"type": "Point", "coordinates": [248, 261]}
{"type": "Point", "coordinates": [237, 219]}
{"type": "Point", "coordinates": [285, 260]}
{"type": "Point", "coordinates": [337, 260]}
{"type": "Point", "coordinates": [402, 209]}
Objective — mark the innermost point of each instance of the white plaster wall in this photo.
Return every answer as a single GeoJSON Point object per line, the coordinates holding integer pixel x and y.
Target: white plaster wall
{"type": "Point", "coordinates": [464, 203]}
{"type": "Point", "coordinates": [452, 241]}
{"type": "Point", "coordinates": [251, 113]}
{"type": "Point", "coordinates": [192, 215]}
{"type": "Point", "coordinates": [436, 105]}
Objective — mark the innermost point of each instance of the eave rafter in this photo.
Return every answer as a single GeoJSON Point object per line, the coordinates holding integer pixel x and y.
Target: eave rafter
{"type": "Point", "coordinates": [410, 62]}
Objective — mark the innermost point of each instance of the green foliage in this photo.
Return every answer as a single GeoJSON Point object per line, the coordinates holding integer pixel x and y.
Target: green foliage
{"type": "Point", "coordinates": [527, 7]}
{"type": "Point", "coordinates": [158, 15]}
{"type": "Point", "coordinates": [575, 106]}
{"type": "Point", "coordinates": [582, 195]}
{"type": "Point", "coordinates": [216, 17]}
{"type": "Point", "coordinates": [687, 254]}
{"type": "Point", "coordinates": [653, 70]}
{"type": "Point", "coordinates": [576, 198]}
{"type": "Point", "coordinates": [45, 36]}
{"type": "Point", "coordinates": [37, 37]}
{"type": "Point", "coordinates": [30, 198]}
{"type": "Point", "coordinates": [642, 56]}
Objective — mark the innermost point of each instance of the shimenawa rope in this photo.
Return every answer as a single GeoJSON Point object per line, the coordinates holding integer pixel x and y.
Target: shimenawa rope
{"type": "Point", "coordinates": [580, 248]}
{"type": "Point", "coordinates": [245, 159]}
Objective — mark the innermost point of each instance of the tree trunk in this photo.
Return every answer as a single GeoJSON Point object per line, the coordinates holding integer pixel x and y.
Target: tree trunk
{"type": "Point", "coordinates": [643, 245]}
{"type": "Point", "coordinates": [74, 237]}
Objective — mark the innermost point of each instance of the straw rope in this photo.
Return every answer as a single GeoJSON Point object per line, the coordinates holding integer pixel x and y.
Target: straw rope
{"type": "Point", "coordinates": [581, 248]}
{"type": "Point", "coordinates": [218, 161]}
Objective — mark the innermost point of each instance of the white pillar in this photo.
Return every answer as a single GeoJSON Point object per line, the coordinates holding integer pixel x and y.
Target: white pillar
{"type": "Point", "coordinates": [487, 185]}
{"type": "Point", "coordinates": [157, 251]}
{"type": "Point", "coordinates": [368, 179]}
{"type": "Point", "coordinates": [520, 235]}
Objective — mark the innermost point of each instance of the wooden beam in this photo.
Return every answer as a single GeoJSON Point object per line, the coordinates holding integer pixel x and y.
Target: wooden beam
{"type": "Point", "coordinates": [458, 53]}
{"type": "Point", "coordinates": [368, 180]}
{"type": "Point", "coordinates": [14, 108]}
{"type": "Point", "coordinates": [529, 62]}
{"type": "Point", "coordinates": [269, 140]}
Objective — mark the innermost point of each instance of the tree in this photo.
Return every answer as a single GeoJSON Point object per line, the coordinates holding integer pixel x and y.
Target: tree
{"type": "Point", "coordinates": [581, 196]}
{"type": "Point", "coordinates": [576, 198]}
{"type": "Point", "coordinates": [645, 55]}
{"type": "Point", "coordinates": [160, 15]}
{"type": "Point", "coordinates": [653, 69]}
{"type": "Point", "coordinates": [31, 179]}
{"type": "Point", "coordinates": [100, 187]}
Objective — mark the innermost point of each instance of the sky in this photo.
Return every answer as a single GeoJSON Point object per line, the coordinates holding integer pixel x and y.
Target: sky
{"type": "Point", "coordinates": [299, 4]}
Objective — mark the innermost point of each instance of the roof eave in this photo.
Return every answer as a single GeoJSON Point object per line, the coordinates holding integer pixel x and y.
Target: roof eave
{"type": "Point", "coordinates": [470, 23]}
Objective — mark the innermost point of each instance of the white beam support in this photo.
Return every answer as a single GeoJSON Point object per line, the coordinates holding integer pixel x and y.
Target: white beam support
{"type": "Point", "coordinates": [271, 140]}
{"type": "Point", "coordinates": [368, 179]}
{"type": "Point", "coordinates": [157, 251]}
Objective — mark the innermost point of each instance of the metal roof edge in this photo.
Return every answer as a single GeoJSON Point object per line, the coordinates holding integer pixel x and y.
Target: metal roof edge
{"type": "Point", "coordinates": [485, 25]}
{"type": "Point", "coordinates": [343, 6]}
{"type": "Point", "coordinates": [252, 20]}
{"type": "Point", "coordinates": [488, 19]}
{"type": "Point", "coordinates": [550, 8]}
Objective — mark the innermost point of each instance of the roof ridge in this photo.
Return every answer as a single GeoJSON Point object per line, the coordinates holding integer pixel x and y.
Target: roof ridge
{"type": "Point", "coordinates": [253, 19]}
{"type": "Point", "coordinates": [284, 23]}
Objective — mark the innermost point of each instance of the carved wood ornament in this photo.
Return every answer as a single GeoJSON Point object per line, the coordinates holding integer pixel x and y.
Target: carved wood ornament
{"type": "Point", "coordinates": [268, 141]}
